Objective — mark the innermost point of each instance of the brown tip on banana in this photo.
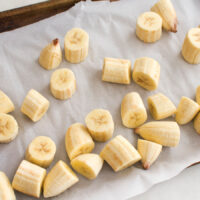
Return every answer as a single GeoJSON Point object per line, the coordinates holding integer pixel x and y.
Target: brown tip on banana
{"type": "Point", "coordinates": [136, 130]}
{"type": "Point", "coordinates": [146, 165]}
{"type": "Point", "coordinates": [55, 41]}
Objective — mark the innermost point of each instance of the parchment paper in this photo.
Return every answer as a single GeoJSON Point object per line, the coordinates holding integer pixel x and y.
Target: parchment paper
{"type": "Point", "coordinates": [111, 27]}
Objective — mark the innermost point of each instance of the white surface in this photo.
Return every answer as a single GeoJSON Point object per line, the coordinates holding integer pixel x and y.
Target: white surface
{"type": "Point", "coordinates": [21, 58]}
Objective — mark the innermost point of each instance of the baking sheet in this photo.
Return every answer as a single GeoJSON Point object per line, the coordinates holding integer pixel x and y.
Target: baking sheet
{"type": "Point", "coordinates": [111, 27]}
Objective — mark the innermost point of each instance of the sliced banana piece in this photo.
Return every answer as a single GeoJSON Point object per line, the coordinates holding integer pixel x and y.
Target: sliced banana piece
{"type": "Point", "coordinates": [35, 105]}
{"type": "Point", "coordinates": [168, 14]}
{"type": "Point", "coordinates": [29, 178]}
{"type": "Point", "coordinates": [160, 106]}
{"type": "Point", "coordinates": [149, 27]}
{"type": "Point", "coordinates": [166, 133]}
{"type": "Point", "coordinates": [197, 123]}
{"type": "Point", "coordinates": [63, 84]}
{"type": "Point", "coordinates": [119, 153]}
{"type": "Point", "coordinates": [198, 95]}
{"type": "Point", "coordinates": [88, 165]}
{"type": "Point", "coordinates": [51, 55]}
{"type": "Point", "coordinates": [186, 110]}
{"type": "Point", "coordinates": [78, 141]}
{"type": "Point", "coordinates": [59, 179]}
{"type": "Point", "coordinates": [100, 124]}
{"type": "Point", "coordinates": [149, 152]}
{"type": "Point", "coordinates": [76, 45]}
{"type": "Point", "coordinates": [8, 128]}
{"type": "Point", "coordinates": [116, 70]}
{"type": "Point", "coordinates": [133, 112]}
{"type": "Point", "coordinates": [6, 105]}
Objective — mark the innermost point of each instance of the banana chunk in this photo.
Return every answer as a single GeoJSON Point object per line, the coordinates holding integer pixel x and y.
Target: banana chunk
{"type": "Point", "coordinates": [8, 128]}
{"type": "Point", "coordinates": [63, 84]}
{"type": "Point", "coordinates": [51, 55]}
{"type": "Point", "coordinates": [100, 124]}
{"type": "Point", "coordinates": [197, 123]}
{"type": "Point", "coordinates": [41, 151]}
{"type": "Point", "coordinates": [198, 95]}
{"type": "Point", "coordinates": [116, 71]}
{"type": "Point", "coordinates": [76, 45]}
{"type": "Point", "coordinates": [168, 14]}
{"type": "Point", "coordinates": [186, 110]}
{"type": "Point", "coordinates": [59, 179]}
{"type": "Point", "coordinates": [166, 133]}
{"type": "Point", "coordinates": [133, 112]}
{"type": "Point", "coordinates": [29, 178]}
{"type": "Point", "coordinates": [6, 190]}
{"type": "Point", "coordinates": [88, 165]}
{"type": "Point", "coordinates": [35, 105]}
{"type": "Point", "coordinates": [149, 152]}
{"type": "Point", "coordinates": [78, 141]}
{"type": "Point", "coordinates": [6, 105]}
{"type": "Point", "coordinates": [146, 73]}
{"type": "Point", "coordinates": [160, 106]}
{"type": "Point", "coordinates": [149, 27]}
{"type": "Point", "coordinates": [191, 46]}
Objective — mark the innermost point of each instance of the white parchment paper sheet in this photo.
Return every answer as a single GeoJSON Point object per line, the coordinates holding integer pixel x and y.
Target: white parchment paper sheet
{"type": "Point", "coordinates": [111, 27]}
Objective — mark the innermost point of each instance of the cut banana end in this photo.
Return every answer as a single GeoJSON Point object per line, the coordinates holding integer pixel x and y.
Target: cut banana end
{"type": "Point", "coordinates": [41, 151]}
{"type": "Point", "coordinates": [63, 84]}
{"type": "Point", "coordinates": [191, 46]}
{"type": "Point", "coordinates": [149, 152]}
{"type": "Point", "coordinates": [51, 55]}
{"type": "Point", "coordinates": [197, 123]}
{"type": "Point", "coordinates": [116, 71]}
{"type": "Point", "coordinates": [168, 14]}
{"type": "Point", "coordinates": [186, 110]}
{"type": "Point", "coordinates": [119, 153]}
{"type": "Point", "coordinates": [29, 178]}
{"type": "Point", "coordinates": [146, 73]}
{"type": "Point", "coordinates": [133, 112]}
{"type": "Point", "coordinates": [100, 124]}
{"type": "Point", "coordinates": [166, 133]}
{"type": "Point", "coordinates": [35, 105]}
{"type": "Point", "coordinates": [6, 105]}
{"type": "Point", "coordinates": [8, 128]}
{"type": "Point", "coordinates": [88, 165]}
{"type": "Point", "coordinates": [76, 45]}
{"type": "Point", "coordinates": [59, 179]}
{"type": "Point", "coordinates": [149, 27]}
{"type": "Point", "coordinates": [6, 190]}
{"type": "Point", "coordinates": [198, 95]}
{"type": "Point", "coordinates": [160, 106]}
{"type": "Point", "coordinates": [78, 141]}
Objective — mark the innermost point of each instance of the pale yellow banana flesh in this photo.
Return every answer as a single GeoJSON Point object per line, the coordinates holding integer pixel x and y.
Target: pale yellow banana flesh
{"type": "Point", "coordinates": [6, 105]}
{"type": "Point", "coordinates": [198, 95]}
{"type": "Point", "coordinates": [119, 153]}
{"type": "Point", "coordinates": [116, 71]}
{"type": "Point", "coordinates": [29, 178]}
{"type": "Point", "coordinates": [146, 73]}
{"type": "Point", "coordinates": [100, 124]}
{"type": "Point", "coordinates": [59, 179]}
{"type": "Point", "coordinates": [133, 112]}
{"type": "Point", "coordinates": [63, 84]}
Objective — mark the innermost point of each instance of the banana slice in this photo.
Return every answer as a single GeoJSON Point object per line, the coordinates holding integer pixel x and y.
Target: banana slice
{"type": "Point", "coordinates": [41, 151]}
{"type": "Point", "coordinates": [76, 45]}
{"type": "Point", "coordinates": [6, 105]}
{"type": "Point", "coordinates": [146, 73]}
{"type": "Point", "coordinates": [119, 153]}
{"type": "Point", "coordinates": [51, 55]}
{"type": "Point", "coordinates": [198, 95]}
{"type": "Point", "coordinates": [149, 27]}
{"type": "Point", "coordinates": [78, 141]}
{"type": "Point", "coordinates": [133, 112]}
{"type": "Point", "coordinates": [59, 179]}
{"type": "Point", "coordinates": [29, 178]}
{"type": "Point", "coordinates": [166, 133]}
{"type": "Point", "coordinates": [116, 71]}
{"type": "Point", "coordinates": [168, 14]}
{"type": "Point", "coordinates": [100, 125]}
{"type": "Point", "coordinates": [160, 106]}
{"type": "Point", "coordinates": [186, 110]}
{"type": "Point", "coordinates": [8, 128]}
{"type": "Point", "coordinates": [191, 46]}
{"type": "Point", "coordinates": [88, 165]}
{"type": "Point", "coordinates": [149, 152]}
{"type": "Point", "coordinates": [35, 105]}
{"type": "Point", "coordinates": [63, 84]}
{"type": "Point", "coordinates": [197, 123]}
{"type": "Point", "coordinates": [6, 190]}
